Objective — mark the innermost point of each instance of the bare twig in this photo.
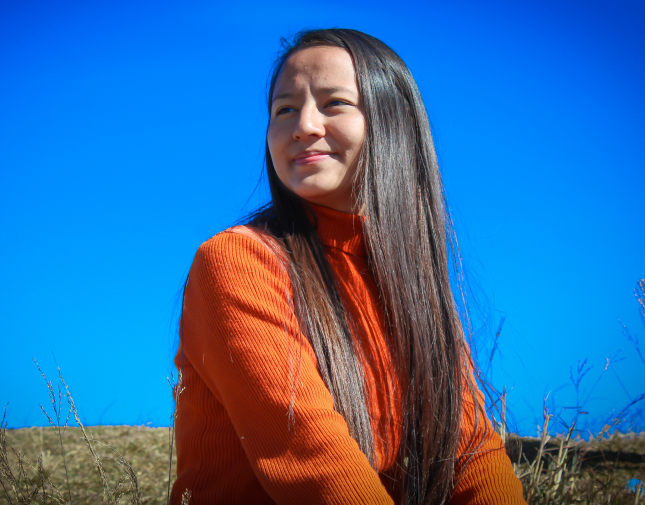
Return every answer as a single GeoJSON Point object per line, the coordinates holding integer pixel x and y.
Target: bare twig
{"type": "Point", "coordinates": [177, 389]}
{"type": "Point", "coordinates": [57, 427]}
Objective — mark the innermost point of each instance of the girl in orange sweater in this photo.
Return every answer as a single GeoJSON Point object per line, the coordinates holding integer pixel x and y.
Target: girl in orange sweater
{"type": "Point", "coordinates": [322, 353]}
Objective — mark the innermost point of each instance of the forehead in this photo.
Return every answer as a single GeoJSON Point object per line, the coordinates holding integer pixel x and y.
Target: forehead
{"type": "Point", "coordinates": [323, 66]}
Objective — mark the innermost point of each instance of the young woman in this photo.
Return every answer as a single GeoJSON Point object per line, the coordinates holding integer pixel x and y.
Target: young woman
{"type": "Point", "coordinates": [321, 347]}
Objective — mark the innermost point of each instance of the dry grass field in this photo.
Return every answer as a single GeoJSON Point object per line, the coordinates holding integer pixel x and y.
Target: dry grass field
{"type": "Point", "coordinates": [596, 471]}
{"type": "Point", "coordinates": [145, 449]}
{"type": "Point", "coordinates": [80, 465]}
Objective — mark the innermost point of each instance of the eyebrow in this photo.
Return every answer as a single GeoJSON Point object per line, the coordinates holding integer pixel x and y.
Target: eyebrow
{"type": "Point", "coordinates": [329, 91]}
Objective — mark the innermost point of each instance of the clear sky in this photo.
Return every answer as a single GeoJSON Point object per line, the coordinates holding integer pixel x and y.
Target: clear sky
{"type": "Point", "coordinates": [132, 131]}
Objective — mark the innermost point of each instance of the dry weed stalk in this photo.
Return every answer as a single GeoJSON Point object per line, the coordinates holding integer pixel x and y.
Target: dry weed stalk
{"type": "Point", "coordinates": [22, 489]}
{"type": "Point", "coordinates": [25, 490]}
{"type": "Point", "coordinates": [177, 389]}
{"type": "Point", "coordinates": [555, 475]}
{"type": "Point", "coordinates": [544, 483]}
{"type": "Point", "coordinates": [639, 294]}
{"type": "Point", "coordinates": [57, 426]}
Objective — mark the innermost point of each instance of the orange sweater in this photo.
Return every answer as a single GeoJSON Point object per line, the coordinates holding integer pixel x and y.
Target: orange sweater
{"type": "Point", "coordinates": [235, 441]}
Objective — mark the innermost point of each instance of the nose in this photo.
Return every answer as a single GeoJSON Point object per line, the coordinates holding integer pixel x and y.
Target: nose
{"type": "Point", "coordinates": [310, 123]}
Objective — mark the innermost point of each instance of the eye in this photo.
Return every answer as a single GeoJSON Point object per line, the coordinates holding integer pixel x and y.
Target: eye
{"type": "Point", "coordinates": [336, 103]}
{"type": "Point", "coordinates": [283, 110]}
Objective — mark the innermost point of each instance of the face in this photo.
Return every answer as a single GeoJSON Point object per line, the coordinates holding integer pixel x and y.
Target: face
{"type": "Point", "coordinates": [317, 127]}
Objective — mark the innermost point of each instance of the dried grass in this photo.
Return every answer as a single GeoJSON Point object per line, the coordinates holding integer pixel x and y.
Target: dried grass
{"type": "Point", "coordinates": [146, 450]}
{"type": "Point", "coordinates": [109, 464]}
{"type": "Point", "coordinates": [98, 470]}
{"type": "Point", "coordinates": [568, 470]}
{"type": "Point", "coordinates": [582, 476]}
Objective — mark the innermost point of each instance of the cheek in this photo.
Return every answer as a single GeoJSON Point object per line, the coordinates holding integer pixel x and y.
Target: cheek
{"type": "Point", "coordinates": [272, 142]}
{"type": "Point", "coordinates": [278, 137]}
{"type": "Point", "coordinates": [354, 134]}
{"type": "Point", "coordinates": [280, 167]}
{"type": "Point", "coordinates": [276, 150]}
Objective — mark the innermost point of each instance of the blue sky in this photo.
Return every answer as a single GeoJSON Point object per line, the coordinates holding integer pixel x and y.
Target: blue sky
{"type": "Point", "coordinates": [130, 132]}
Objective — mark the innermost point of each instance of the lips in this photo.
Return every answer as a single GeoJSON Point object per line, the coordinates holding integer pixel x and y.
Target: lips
{"type": "Point", "coordinates": [307, 157]}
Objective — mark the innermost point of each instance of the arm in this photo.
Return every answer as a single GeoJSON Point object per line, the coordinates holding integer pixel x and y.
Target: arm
{"type": "Point", "coordinates": [241, 335]}
{"type": "Point", "coordinates": [489, 478]}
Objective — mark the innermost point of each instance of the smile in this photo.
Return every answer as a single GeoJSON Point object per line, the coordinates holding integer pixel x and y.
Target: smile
{"type": "Point", "coordinates": [311, 157]}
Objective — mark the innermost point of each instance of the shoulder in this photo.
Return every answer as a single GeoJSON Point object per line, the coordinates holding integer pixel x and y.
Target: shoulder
{"type": "Point", "coordinates": [238, 273]}
{"type": "Point", "coordinates": [240, 252]}
{"type": "Point", "coordinates": [241, 243]}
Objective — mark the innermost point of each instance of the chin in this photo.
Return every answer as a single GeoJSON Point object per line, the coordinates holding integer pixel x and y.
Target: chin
{"type": "Point", "coordinates": [314, 194]}
{"type": "Point", "coordinates": [314, 191]}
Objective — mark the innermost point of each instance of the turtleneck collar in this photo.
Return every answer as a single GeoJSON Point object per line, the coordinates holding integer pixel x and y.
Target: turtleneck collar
{"type": "Point", "coordinates": [340, 230]}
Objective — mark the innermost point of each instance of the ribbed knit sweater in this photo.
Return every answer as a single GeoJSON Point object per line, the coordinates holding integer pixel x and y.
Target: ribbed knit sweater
{"type": "Point", "coordinates": [241, 354]}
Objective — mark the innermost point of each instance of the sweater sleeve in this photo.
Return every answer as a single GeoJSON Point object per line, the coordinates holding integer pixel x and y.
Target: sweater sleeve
{"type": "Point", "coordinates": [240, 333]}
{"type": "Point", "coordinates": [488, 478]}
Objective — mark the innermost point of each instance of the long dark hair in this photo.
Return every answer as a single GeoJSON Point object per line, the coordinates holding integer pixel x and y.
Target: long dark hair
{"type": "Point", "coordinates": [410, 241]}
